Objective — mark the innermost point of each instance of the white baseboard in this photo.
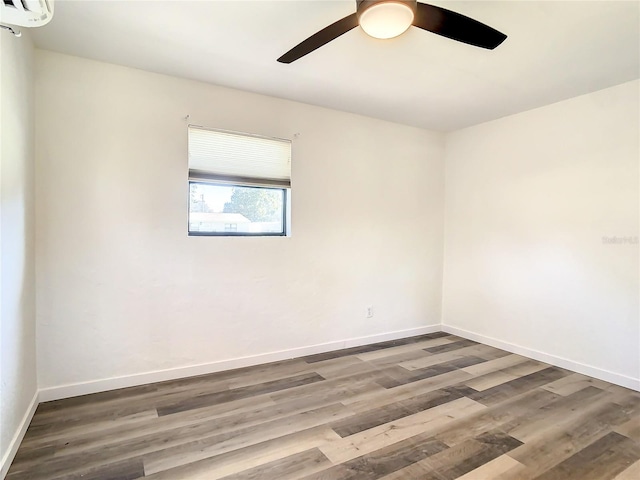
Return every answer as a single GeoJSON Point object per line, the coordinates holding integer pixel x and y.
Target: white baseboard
{"type": "Point", "coordinates": [72, 390]}
{"type": "Point", "coordinates": [607, 376]}
{"type": "Point", "coordinates": [76, 389]}
{"type": "Point", "coordinates": [7, 458]}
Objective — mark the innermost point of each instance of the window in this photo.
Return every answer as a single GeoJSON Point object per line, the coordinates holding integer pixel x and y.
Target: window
{"type": "Point", "coordinates": [238, 184]}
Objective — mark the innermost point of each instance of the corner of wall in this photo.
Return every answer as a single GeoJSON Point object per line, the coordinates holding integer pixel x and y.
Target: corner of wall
{"type": "Point", "coordinates": [446, 139]}
{"type": "Point", "coordinates": [19, 389]}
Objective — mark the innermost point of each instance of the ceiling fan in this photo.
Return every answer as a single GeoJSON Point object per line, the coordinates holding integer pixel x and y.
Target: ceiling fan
{"type": "Point", "coordinates": [390, 18]}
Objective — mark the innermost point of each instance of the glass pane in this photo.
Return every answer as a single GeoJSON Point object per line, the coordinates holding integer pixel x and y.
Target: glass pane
{"type": "Point", "coordinates": [235, 210]}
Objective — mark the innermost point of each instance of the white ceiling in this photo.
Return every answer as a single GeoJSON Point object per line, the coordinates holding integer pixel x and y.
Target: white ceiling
{"type": "Point", "coordinates": [554, 51]}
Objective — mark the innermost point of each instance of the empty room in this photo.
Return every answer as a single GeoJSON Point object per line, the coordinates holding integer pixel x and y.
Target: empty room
{"type": "Point", "coordinates": [320, 240]}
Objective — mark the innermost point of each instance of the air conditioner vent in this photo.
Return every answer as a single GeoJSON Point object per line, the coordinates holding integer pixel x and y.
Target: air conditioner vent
{"type": "Point", "coordinates": [26, 13]}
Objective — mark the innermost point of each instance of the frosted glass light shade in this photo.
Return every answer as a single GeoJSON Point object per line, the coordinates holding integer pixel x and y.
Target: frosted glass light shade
{"type": "Point", "coordinates": [386, 19]}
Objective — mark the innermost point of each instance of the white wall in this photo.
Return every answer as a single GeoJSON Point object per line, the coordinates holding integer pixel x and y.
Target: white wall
{"type": "Point", "coordinates": [123, 290]}
{"type": "Point", "coordinates": [528, 200]}
{"type": "Point", "coordinates": [18, 378]}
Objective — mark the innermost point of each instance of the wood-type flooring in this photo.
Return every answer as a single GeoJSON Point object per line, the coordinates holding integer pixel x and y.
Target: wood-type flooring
{"type": "Point", "coordinates": [434, 407]}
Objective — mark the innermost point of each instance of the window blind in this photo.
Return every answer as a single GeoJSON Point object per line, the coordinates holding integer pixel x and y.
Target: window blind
{"type": "Point", "coordinates": [229, 157]}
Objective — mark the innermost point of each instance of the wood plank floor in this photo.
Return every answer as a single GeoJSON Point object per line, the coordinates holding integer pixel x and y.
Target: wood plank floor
{"type": "Point", "coordinates": [435, 407]}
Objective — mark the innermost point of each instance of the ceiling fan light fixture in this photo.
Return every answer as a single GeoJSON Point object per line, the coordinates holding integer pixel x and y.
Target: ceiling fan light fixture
{"type": "Point", "coordinates": [390, 18]}
{"type": "Point", "coordinates": [386, 19]}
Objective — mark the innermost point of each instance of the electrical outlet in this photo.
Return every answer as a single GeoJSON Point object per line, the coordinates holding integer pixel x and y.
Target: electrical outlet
{"type": "Point", "coordinates": [369, 311]}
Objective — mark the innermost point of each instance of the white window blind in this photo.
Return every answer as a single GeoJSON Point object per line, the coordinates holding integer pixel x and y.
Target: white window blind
{"type": "Point", "coordinates": [238, 158]}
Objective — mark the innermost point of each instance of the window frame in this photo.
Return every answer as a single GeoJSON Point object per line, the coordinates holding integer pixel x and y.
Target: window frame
{"type": "Point", "coordinates": [285, 227]}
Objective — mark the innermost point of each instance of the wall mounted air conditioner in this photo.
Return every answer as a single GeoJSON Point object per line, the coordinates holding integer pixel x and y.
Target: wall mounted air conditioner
{"type": "Point", "coordinates": [26, 13]}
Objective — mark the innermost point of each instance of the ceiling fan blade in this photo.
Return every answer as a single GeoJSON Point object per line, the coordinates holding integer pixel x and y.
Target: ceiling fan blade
{"type": "Point", "coordinates": [457, 27]}
{"type": "Point", "coordinates": [317, 40]}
